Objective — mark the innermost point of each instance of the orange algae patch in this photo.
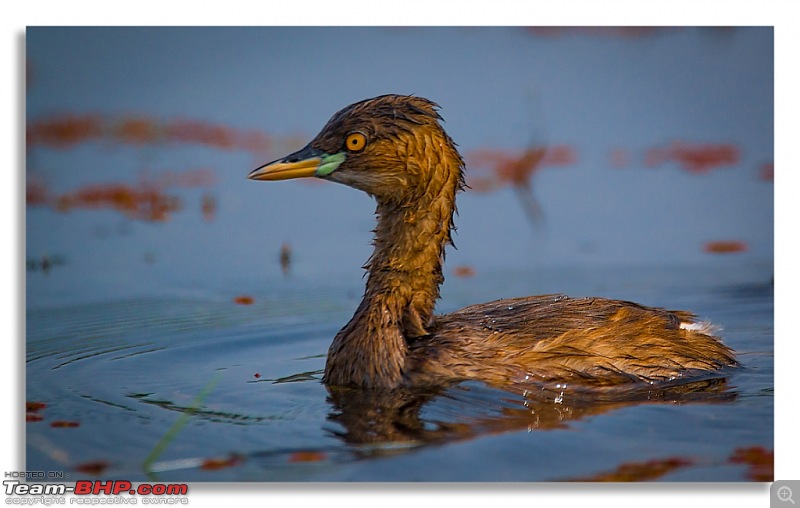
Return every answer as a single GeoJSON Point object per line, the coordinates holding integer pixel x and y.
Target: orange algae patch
{"type": "Point", "coordinates": [34, 406]}
{"type": "Point", "coordinates": [725, 247]}
{"type": "Point", "coordinates": [516, 168]}
{"type": "Point", "coordinates": [64, 424]}
{"type": "Point", "coordinates": [32, 411]}
{"type": "Point", "coordinates": [463, 271]}
{"type": "Point", "coordinates": [694, 157]}
{"type": "Point", "coordinates": [64, 131]}
{"type": "Point", "coordinates": [143, 202]}
{"type": "Point", "coordinates": [307, 456]}
{"type": "Point", "coordinates": [94, 468]}
{"type": "Point", "coordinates": [137, 131]}
{"type": "Point", "coordinates": [67, 131]}
{"type": "Point", "coordinates": [221, 463]}
{"type": "Point", "coordinates": [640, 471]}
{"type": "Point", "coordinates": [760, 462]}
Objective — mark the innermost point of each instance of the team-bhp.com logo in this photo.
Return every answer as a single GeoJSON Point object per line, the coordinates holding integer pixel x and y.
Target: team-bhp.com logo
{"type": "Point", "coordinates": [86, 492]}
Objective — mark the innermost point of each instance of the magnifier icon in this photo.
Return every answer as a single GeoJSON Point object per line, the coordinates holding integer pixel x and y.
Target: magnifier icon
{"type": "Point", "coordinates": [785, 494]}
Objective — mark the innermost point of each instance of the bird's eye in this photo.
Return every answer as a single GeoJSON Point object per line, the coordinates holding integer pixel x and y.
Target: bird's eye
{"type": "Point", "coordinates": [355, 142]}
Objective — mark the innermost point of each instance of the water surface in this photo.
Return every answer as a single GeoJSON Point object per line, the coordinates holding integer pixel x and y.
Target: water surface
{"type": "Point", "coordinates": [247, 377]}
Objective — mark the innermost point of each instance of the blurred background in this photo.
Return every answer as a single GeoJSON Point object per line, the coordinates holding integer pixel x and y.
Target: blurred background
{"type": "Point", "coordinates": [586, 147]}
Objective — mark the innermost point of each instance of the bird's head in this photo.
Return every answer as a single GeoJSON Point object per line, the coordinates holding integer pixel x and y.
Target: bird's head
{"type": "Point", "coordinates": [391, 147]}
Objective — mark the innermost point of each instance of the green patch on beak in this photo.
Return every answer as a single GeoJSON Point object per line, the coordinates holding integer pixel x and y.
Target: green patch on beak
{"type": "Point", "coordinates": [329, 164]}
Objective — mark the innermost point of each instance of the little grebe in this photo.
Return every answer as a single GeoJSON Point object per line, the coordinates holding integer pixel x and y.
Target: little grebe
{"type": "Point", "coordinates": [394, 148]}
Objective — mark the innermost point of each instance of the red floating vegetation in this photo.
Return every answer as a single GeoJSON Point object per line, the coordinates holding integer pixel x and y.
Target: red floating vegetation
{"type": "Point", "coordinates": [36, 192]}
{"type": "Point", "coordinates": [137, 131]}
{"type": "Point", "coordinates": [307, 456]}
{"type": "Point", "coordinates": [724, 247]}
{"type": "Point", "coordinates": [34, 406]}
{"type": "Point", "coordinates": [32, 409]}
{"type": "Point", "coordinates": [760, 461]}
{"type": "Point", "coordinates": [69, 130]}
{"type": "Point", "coordinates": [515, 168]}
{"type": "Point", "coordinates": [766, 172]}
{"type": "Point", "coordinates": [640, 471]}
{"type": "Point", "coordinates": [65, 131]}
{"type": "Point", "coordinates": [147, 201]}
{"type": "Point", "coordinates": [218, 463]}
{"type": "Point", "coordinates": [243, 300]}
{"type": "Point", "coordinates": [463, 271]}
{"type": "Point", "coordinates": [96, 467]}
{"type": "Point", "coordinates": [64, 424]}
{"type": "Point", "coordinates": [559, 155]}
{"type": "Point", "coordinates": [695, 158]}
{"type": "Point", "coordinates": [143, 202]}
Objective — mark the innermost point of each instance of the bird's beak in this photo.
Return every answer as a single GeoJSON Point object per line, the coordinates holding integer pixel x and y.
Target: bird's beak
{"type": "Point", "coordinates": [307, 162]}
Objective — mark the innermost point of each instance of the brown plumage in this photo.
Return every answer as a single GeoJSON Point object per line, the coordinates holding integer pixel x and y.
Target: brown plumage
{"type": "Point", "coordinates": [394, 148]}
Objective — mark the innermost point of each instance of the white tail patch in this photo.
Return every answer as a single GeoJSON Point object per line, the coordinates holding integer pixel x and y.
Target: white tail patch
{"type": "Point", "coordinates": [702, 327]}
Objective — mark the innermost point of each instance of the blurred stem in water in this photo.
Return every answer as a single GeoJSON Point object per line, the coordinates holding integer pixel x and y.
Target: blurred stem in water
{"type": "Point", "coordinates": [529, 203]}
{"type": "Point", "coordinates": [181, 422]}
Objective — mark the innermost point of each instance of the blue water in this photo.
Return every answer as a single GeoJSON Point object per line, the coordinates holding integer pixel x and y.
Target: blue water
{"type": "Point", "coordinates": [127, 370]}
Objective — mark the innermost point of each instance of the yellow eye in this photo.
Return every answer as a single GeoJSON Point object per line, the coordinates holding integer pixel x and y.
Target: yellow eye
{"type": "Point", "coordinates": [355, 142]}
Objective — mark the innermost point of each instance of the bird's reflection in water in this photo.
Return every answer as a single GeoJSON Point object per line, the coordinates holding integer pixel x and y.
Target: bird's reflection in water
{"type": "Point", "coordinates": [393, 420]}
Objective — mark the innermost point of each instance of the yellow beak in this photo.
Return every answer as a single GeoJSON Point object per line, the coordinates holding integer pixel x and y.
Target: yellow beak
{"type": "Point", "coordinates": [306, 162]}
{"type": "Point", "coordinates": [280, 170]}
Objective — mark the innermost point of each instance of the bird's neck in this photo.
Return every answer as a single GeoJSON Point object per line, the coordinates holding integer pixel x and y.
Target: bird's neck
{"type": "Point", "coordinates": [405, 272]}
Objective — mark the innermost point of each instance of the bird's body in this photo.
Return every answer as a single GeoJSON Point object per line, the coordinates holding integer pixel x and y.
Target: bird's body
{"type": "Point", "coordinates": [394, 148]}
{"type": "Point", "coordinates": [555, 338]}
